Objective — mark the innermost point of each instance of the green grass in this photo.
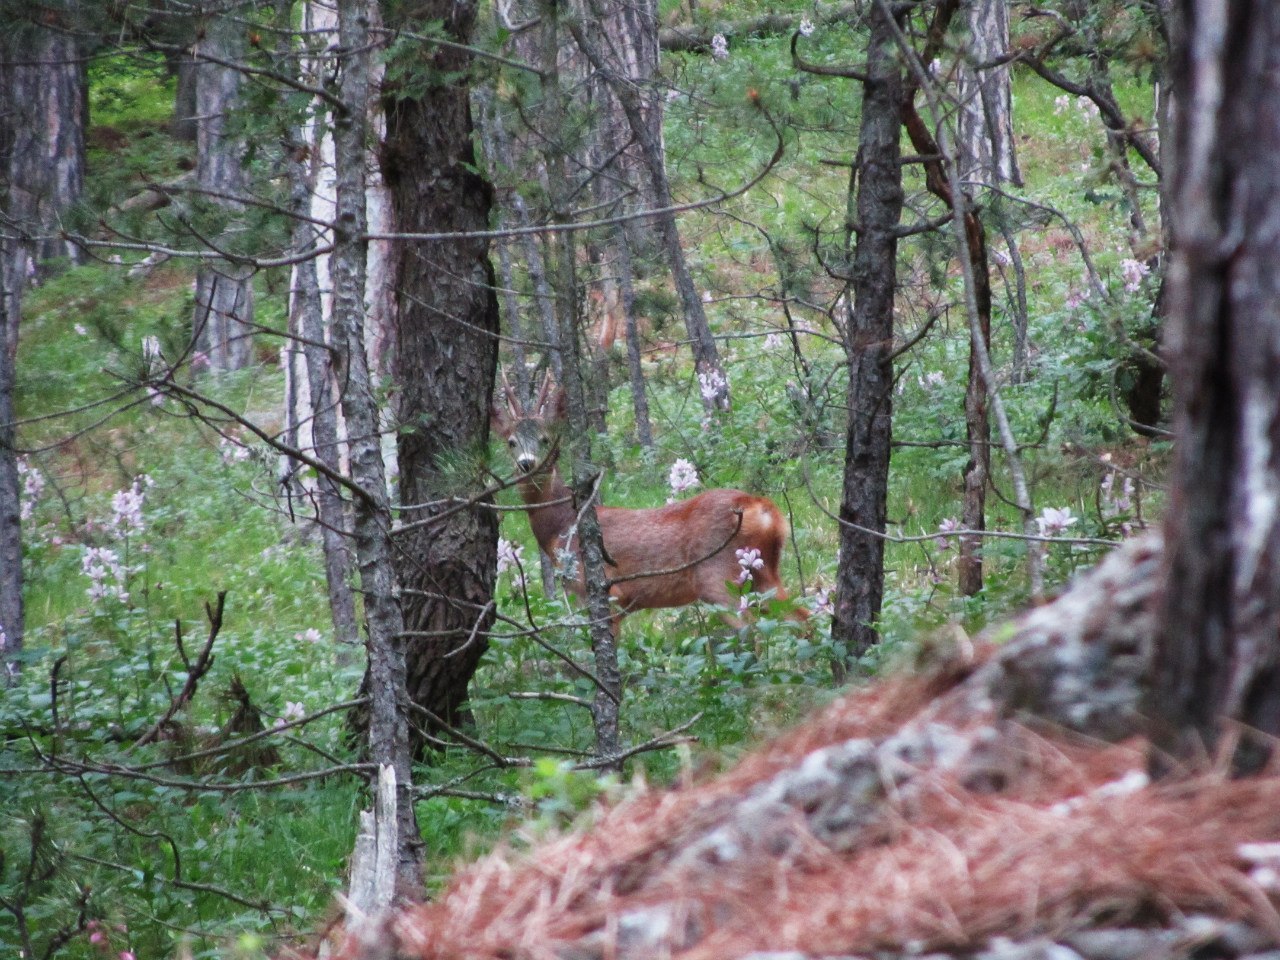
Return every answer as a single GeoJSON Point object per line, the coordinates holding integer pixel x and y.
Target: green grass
{"type": "Point", "coordinates": [213, 525]}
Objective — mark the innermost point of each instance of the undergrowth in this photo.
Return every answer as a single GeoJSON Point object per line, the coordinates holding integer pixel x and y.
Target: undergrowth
{"type": "Point", "coordinates": [140, 518]}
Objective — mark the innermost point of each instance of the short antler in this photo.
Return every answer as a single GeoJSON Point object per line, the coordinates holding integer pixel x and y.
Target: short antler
{"type": "Point", "coordinates": [513, 399]}
{"type": "Point", "coordinates": [548, 385]}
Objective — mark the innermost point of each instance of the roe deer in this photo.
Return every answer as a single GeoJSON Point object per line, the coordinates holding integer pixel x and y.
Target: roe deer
{"type": "Point", "coordinates": [660, 557]}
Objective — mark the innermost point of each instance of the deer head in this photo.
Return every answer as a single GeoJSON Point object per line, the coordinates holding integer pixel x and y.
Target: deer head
{"type": "Point", "coordinates": [531, 431]}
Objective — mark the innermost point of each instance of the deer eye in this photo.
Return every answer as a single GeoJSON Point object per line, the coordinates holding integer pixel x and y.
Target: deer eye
{"type": "Point", "coordinates": [512, 443]}
{"type": "Point", "coordinates": [542, 440]}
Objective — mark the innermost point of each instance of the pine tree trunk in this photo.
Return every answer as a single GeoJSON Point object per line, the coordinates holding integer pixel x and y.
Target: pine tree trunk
{"type": "Point", "coordinates": [44, 86]}
{"type": "Point", "coordinates": [312, 410]}
{"type": "Point", "coordinates": [710, 369]}
{"type": "Point", "coordinates": [1217, 670]}
{"type": "Point", "coordinates": [635, 369]}
{"type": "Point", "coordinates": [224, 292]}
{"type": "Point", "coordinates": [446, 352]}
{"type": "Point", "coordinates": [42, 123]}
{"type": "Point", "coordinates": [869, 346]}
{"type": "Point", "coordinates": [608, 697]}
{"type": "Point", "coordinates": [313, 367]}
{"type": "Point", "coordinates": [986, 140]}
{"type": "Point", "coordinates": [184, 125]}
{"type": "Point", "coordinates": [11, 612]}
{"type": "Point", "coordinates": [387, 712]}
{"type": "Point", "coordinates": [628, 35]}
{"type": "Point", "coordinates": [977, 415]}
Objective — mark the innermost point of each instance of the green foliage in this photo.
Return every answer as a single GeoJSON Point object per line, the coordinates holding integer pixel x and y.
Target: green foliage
{"type": "Point", "coordinates": [212, 517]}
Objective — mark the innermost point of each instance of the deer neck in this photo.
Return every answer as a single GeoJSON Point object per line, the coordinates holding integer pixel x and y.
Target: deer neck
{"type": "Point", "coordinates": [552, 513]}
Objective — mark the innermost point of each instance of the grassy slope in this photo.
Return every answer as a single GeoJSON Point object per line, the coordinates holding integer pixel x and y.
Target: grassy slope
{"type": "Point", "coordinates": [212, 522]}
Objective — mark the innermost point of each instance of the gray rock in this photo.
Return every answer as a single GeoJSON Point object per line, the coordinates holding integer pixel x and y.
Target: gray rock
{"type": "Point", "coordinates": [1001, 948]}
{"type": "Point", "coordinates": [1127, 943]}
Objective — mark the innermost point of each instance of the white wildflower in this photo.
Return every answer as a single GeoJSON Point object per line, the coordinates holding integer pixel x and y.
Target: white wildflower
{"type": "Point", "coordinates": [682, 476]}
{"type": "Point", "coordinates": [749, 560]}
{"type": "Point", "coordinates": [712, 384]}
{"type": "Point", "coordinates": [510, 556]}
{"type": "Point", "coordinates": [106, 574]}
{"type": "Point", "coordinates": [1116, 501]}
{"type": "Point", "coordinates": [292, 711]}
{"type": "Point", "coordinates": [32, 486]}
{"type": "Point", "coordinates": [126, 509]}
{"type": "Point", "coordinates": [1053, 520]}
{"type": "Point", "coordinates": [806, 27]}
{"type": "Point", "coordinates": [719, 47]}
{"type": "Point", "coordinates": [1134, 271]}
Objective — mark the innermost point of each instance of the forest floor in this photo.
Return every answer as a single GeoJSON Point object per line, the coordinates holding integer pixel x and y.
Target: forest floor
{"type": "Point", "coordinates": [996, 805]}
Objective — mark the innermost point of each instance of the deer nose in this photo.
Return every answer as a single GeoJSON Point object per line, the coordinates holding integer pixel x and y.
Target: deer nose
{"type": "Point", "coordinates": [526, 462]}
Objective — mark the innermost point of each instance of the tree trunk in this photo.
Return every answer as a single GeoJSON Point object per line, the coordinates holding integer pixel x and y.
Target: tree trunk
{"type": "Point", "coordinates": [583, 475]}
{"type": "Point", "coordinates": [184, 125]}
{"type": "Point", "coordinates": [224, 292]}
{"type": "Point", "coordinates": [711, 375]}
{"type": "Point", "coordinates": [628, 35]}
{"type": "Point", "coordinates": [635, 369]}
{"type": "Point", "coordinates": [42, 122]}
{"type": "Point", "coordinates": [13, 260]}
{"type": "Point", "coordinates": [44, 86]}
{"type": "Point", "coordinates": [387, 712]}
{"type": "Point", "coordinates": [986, 141]}
{"type": "Point", "coordinates": [877, 181]}
{"type": "Point", "coordinates": [977, 417]}
{"type": "Point", "coordinates": [446, 355]}
{"type": "Point", "coordinates": [1217, 668]}
{"type": "Point", "coordinates": [312, 369]}
{"type": "Point", "coordinates": [11, 613]}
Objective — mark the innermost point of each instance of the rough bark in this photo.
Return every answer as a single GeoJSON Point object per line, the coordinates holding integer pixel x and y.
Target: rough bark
{"type": "Point", "coordinates": [314, 388]}
{"type": "Point", "coordinates": [184, 126]}
{"type": "Point", "coordinates": [635, 370]}
{"type": "Point", "coordinates": [985, 121]}
{"type": "Point", "coordinates": [11, 611]}
{"type": "Point", "coordinates": [977, 419]}
{"type": "Point", "coordinates": [387, 713]}
{"type": "Point", "coordinates": [627, 34]}
{"type": "Point", "coordinates": [224, 292]}
{"type": "Point", "coordinates": [12, 257]}
{"type": "Point", "coordinates": [706, 356]}
{"type": "Point", "coordinates": [45, 98]}
{"type": "Point", "coordinates": [877, 187]}
{"type": "Point", "coordinates": [583, 475]}
{"type": "Point", "coordinates": [446, 355]}
{"type": "Point", "coordinates": [43, 112]}
{"type": "Point", "coordinates": [1218, 649]}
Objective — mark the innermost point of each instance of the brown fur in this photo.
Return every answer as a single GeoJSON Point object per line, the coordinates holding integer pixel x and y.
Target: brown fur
{"type": "Point", "coordinates": [697, 539]}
